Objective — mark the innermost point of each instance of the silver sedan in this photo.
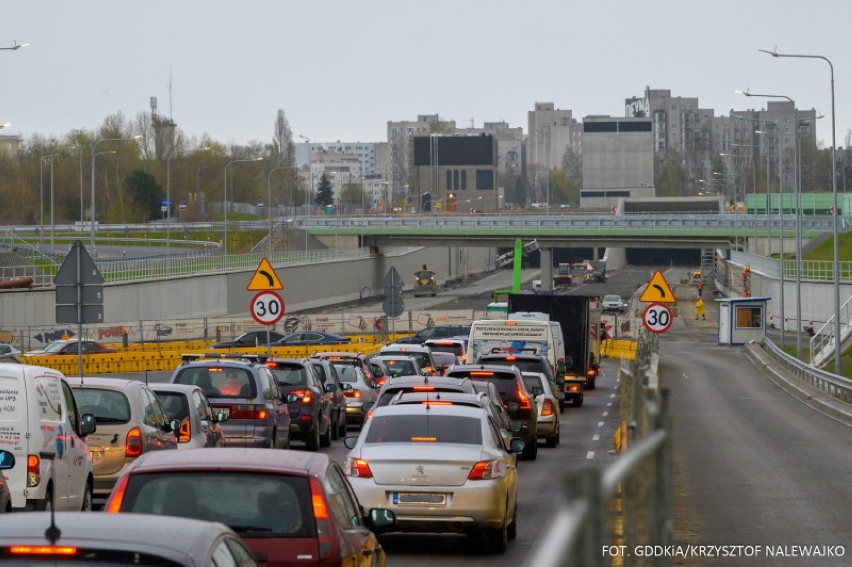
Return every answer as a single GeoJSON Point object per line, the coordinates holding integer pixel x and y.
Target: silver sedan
{"type": "Point", "coordinates": [547, 404]}
{"type": "Point", "coordinates": [439, 468]}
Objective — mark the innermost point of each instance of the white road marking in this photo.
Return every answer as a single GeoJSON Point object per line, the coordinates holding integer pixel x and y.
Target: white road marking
{"type": "Point", "coordinates": [600, 424]}
{"type": "Point", "coordinates": [590, 455]}
{"type": "Point", "coordinates": [612, 395]}
{"type": "Point", "coordinates": [608, 404]}
{"type": "Point", "coordinates": [604, 414]}
{"type": "Point", "coordinates": [596, 437]}
{"type": "Point", "coordinates": [685, 376]}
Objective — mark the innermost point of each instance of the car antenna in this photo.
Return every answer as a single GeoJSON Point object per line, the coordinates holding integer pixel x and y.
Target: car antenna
{"type": "Point", "coordinates": [52, 533]}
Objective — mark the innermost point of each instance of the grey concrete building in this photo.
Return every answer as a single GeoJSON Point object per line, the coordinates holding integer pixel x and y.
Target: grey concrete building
{"type": "Point", "coordinates": [618, 160]}
{"type": "Point", "coordinates": [551, 132]}
{"type": "Point", "coordinates": [401, 136]}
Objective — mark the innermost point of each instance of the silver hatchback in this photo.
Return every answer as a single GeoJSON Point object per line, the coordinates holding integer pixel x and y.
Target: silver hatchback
{"type": "Point", "coordinates": [199, 424]}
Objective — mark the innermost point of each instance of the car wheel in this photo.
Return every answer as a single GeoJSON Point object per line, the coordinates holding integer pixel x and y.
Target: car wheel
{"type": "Point", "coordinates": [498, 540]}
{"type": "Point", "coordinates": [312, 442]}
{"type": "Point", "coordinates": [334, 426]}
{"type": "Point", "coordinates": [42, 505]}
{"type": "Point", "coordinates": [531, 450]}
{"type": "Point", "coordinates": [552, 440]}
{"type": "Point", "coordinates": [591, 385]}
{"type": "Point", "coordinates": [578, 401]}
{"type": "Point", "coordinates": [343, 426]}
{"type": "Point", "coordinates": [87, 498]}
{"type": "Point", "coordinates": [513, 525]}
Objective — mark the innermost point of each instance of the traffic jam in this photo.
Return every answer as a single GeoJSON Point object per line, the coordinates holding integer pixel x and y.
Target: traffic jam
{"type": "Point", "coordinates": [435, 426]}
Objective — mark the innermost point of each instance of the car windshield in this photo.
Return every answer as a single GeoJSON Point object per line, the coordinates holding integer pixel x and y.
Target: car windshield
{"type": "Point", "coordinates": [219, 382]}
{"type": "Point", "coordinates": [108, 406]}
{"type": "Point", "coordinates": [612, 298]}
{"type": "Point", "coordinates": [175, 404]}
{"type": "Point", "coordinates": [424, 429]}
{"type": "Point", "coordinates": [57, 346]}
{"type": "Point", "coordinates": [249, 503]}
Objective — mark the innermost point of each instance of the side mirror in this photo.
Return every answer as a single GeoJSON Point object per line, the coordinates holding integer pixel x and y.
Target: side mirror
{"type": "Point", "coordinates": [512, 407]}
{"type": "Point", "coordinates": [290, 398]}
{"type": "Point", "coordinates": [331, 388]}
{"type": "Point", "coordinates": [345, 386]}
{"type": "Point", "coordinates": [349, 442]}
{"type": "Point", "coordinates": [536, 391]}
{"type": "Point", "coordinates": [517, 445]}
{"type": "Point", "coordinates": [380, 518]}
{"type": "Point", "coordinates": [87, 424]}
{"type": "Point", "coordinates": [515, 426]}
{"type": "Point", "coordinates": [173, 425]}
{"type": "Point", "coordinates": [7, 460]}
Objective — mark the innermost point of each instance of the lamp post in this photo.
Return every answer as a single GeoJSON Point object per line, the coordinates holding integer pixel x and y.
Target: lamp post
{"type": "Point", "coordinates": [94, 146]}
{"type": "Point", "coordinates": [225, 194]}
{"type": "Point", "coordinates": [269, 200]}
{"type": "Point", "coordinates": [310, 191]}
{"type": "Point", "coordinates": [836, 262]}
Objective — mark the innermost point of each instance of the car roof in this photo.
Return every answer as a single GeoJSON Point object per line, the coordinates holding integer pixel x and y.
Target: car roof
{"type": "Point", "coordinates": [181, 388]}
{"type": "Point", "coordinates": [402, 347]}
{"type": "Point", "coordinates": [283, 461]}
{"type": "Point", "coordinates": [411, 379]}
{"type": "Point", "coordinates": [232, 360]}
{"type": "Point", "coordinates": [101, 382]}
{"type": "Point", "coordinates": [418, 409]}
{"type": "Point", "coordinates": [460, 398]}
{"type": "Point", "coordinates": [496, 368]}
{"type": "Point", "coordinates": [454, 340]}
{"type": "Point", "coordinates": [176, 538]}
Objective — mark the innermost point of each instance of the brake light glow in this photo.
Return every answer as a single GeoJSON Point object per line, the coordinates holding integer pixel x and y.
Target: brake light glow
{"type": "Point", "coordinates": [352, 393]}
{"type": "Point", "coordinates": [358, 467]}
{"type": "Point", "coordinates": [574, 388]}
{"type": "Point", "coordinates": [436, 403]}
{"type": "Point", "coordinates": [525, 401]}
{"type": "Point", "coordinates": [424, 388]}
{"type": "Point", "coordinates": [547, 408]}
{"type": "Point", "coordinates": [113, 506]}
{"type": "Point", "coordinates": [424, 439]}
{"type": "Point", "coordinates": [33, 470]}
{"type": "Point", "coordinates": [304, 395]}
{"type": "Point", "coordinates": [133, 443]}
{"type": "Point", "coordinates": [481, 374]}
{"type": "Point", "coordinates": [42, 550]}
{"type": "Point", "coordinates": [511, 358]}
{"type": "Point", "coordinates": [487, 470]}
{"type": "Point", "coordinates": [591, 373]}
{"type": "Point", "coordinates": [247, 411]}
{"type": "Point", "coordinates": [326, 541]}
{"type": "Point", "coordinates": [185, 431]}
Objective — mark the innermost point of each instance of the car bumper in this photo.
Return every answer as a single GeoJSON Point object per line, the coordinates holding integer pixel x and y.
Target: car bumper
{"type": "Point", "coordinates": [546, 426]}
{"type": "Point", "coordinates": [475, 506]}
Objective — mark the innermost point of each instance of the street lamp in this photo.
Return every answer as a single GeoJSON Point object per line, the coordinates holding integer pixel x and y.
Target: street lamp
{"type": "Point", "coordinates": [834, 194]}
{"type": "Point", "coordinates": [94, 146]}
{"type": "Point", "coordinates": [269, 200]}
{"type": "Point", "coordinates": [227, 165]}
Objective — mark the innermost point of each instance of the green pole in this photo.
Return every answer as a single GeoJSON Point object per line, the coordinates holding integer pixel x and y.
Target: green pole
{"type": "Point", "coordinates": [518, 258]}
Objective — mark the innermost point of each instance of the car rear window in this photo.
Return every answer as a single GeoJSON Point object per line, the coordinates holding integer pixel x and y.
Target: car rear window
{"type": "Point", "coordinates": [533, 382]}
{"type": "Point", "coordinates": [219, 382]}
{"type": "Point", "coordinates": [289, 374]}
{"type": "Point", "coordinates": [453, 348]}
{"type": "Point", "coordinates": [424, 428]}
{"type": "Point", "coordinates": [400, 368]}
{"type": "Point", "coordinates": [175, 404]}
{"type": "Point", "coordinates": [523, 364]}
{"type": "Point", "coordinates": [108, 406]}
{"type": "Point", "coordinates": [252, 504]}
{"type": "Point", "coordinates": [346, 373]}
{"type": "Point", "coordinates": [506, 383]}
{"type": "Point", "coordinates": [421, 357]}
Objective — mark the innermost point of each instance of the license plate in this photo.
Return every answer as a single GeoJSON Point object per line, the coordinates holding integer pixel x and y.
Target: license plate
{"type": "Point", "coordinates": [419, 499]}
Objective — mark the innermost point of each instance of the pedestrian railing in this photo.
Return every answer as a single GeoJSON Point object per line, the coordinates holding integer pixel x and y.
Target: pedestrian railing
{"type": "Point", "coordinates": [607, 513]}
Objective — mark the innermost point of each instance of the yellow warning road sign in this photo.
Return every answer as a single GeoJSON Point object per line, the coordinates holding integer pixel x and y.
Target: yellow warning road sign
{"type": "Point", "coordinates": [658, 290]}
{"type": "Point", "coordinates": [264, 278]}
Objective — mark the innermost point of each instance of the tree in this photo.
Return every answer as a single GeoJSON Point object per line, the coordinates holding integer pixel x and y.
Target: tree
{"type": "Point", "coordinates": [670, 176]}
{"type": "Point", "coordinates": [283, 149]}
{"type": "Point", "coordinates": [145, 194]}
{"type": "Point", "coordinates": [572, 165]}
{"type": "Point", "coordinates": [353, 196]}
{"type": "Point", "coordinates": [324, 195]}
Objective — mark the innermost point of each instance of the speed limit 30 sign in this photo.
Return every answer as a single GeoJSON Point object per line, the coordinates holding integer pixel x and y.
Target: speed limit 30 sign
{"type": "Point", "coordinates": [657, 318]}
{"type": "Point", "coordinates": [267, 307]}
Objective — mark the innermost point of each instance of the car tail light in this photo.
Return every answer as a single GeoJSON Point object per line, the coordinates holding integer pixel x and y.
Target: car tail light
{"type": "Point", "coordinates": [64, 550]}
{"type": "Point", "coordinates": [487, 470]}
{"type": "Point", "coordinates": [573, 387]}
{"type": "Point", "coordinates": [547, 408]}
{"type": "Point", "coordinates": [304, 395]}
{"type": "Point", "coordinates": [116, 498]}
{"type": "Point", "coordinates": [591, 373]}
{"type": "Point", "coordinates": [352, 393]}
{"type": "Point", "coordinates": [424, 388]}
{"type": "Point", "coordinates": [247, 411]}
{"type": "Point", "coordinates": [481, 374]}
{"type": "Point", "coordinates": [323, 521]}
{"type": "Point", "coordinates": [358, 467]}
{"type": "Point", "coordinates": [511, 358]}
{"type": "Point", "coordinates": [133, 443]}
{"type": "Point", "coordinates": [525, 401]}
{"type": "Point", "coordinates": [185, 431]}
{"type": "Point", "coordinates": [33, 470]}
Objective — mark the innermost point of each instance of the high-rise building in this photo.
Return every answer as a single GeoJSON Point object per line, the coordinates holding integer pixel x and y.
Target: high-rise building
{"type": "Point", "coordinates": [552, 132]}
{"type": "Point", "coordinates": [401, 136]}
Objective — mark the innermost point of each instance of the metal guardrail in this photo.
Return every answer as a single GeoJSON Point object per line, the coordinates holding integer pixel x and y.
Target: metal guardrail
{"type": "Point", "coordinates": [832, 384]}
{"type": "Point", "coordinates": [631, 499]}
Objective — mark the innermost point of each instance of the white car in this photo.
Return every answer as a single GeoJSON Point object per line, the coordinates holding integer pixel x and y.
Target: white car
{"type": "Point", "coordinates": [439, 468]}
{"type": "Point", "coordinates": [547, 404]}
{"type": "Point", "coordinates": [612, 303]}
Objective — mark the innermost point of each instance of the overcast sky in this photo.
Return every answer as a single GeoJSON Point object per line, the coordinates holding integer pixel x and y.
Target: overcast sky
{"type": "Point", "coordinates": [342, 70]}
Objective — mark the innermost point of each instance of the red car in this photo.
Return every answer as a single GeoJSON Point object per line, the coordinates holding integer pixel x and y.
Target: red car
{"type": "Point", "coordinates": [69, 346]}
{"type": "Point", "coordinates": [289, 507]}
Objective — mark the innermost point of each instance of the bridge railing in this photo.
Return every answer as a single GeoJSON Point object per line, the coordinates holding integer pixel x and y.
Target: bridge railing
{"type": "Point", "coordinates": [631, 499]}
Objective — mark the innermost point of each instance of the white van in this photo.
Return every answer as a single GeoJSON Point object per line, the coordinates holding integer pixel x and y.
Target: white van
{"type": "Point", "coordinates": [42, 428]}
{"type": "Point", "coordinates": [530, 333]}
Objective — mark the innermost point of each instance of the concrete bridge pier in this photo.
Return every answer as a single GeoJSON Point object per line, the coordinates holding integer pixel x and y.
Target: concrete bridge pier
{"type": "Point", "coordinates": [546, 256]}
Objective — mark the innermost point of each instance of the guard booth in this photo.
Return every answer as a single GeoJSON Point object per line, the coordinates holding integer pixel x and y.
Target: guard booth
{"type": "Point", "coordinates": [742, 319]}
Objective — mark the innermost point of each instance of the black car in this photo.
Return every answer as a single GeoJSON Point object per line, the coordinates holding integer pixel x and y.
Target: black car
{"type": "Point", "coordinates": [312, 338]}
{"type": "Point", "coordinates": [528, 363]}
{"type": "Point", "coordinates": [251, 339]}
{"type": "Point", "coordinates": [510, 384]}
{"type": "Point", "coordinates": [338, 398]}
{"type": "Point", "coordinates": [310, 413]}
{"type": "Point", "coordinates": [436, 332]}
